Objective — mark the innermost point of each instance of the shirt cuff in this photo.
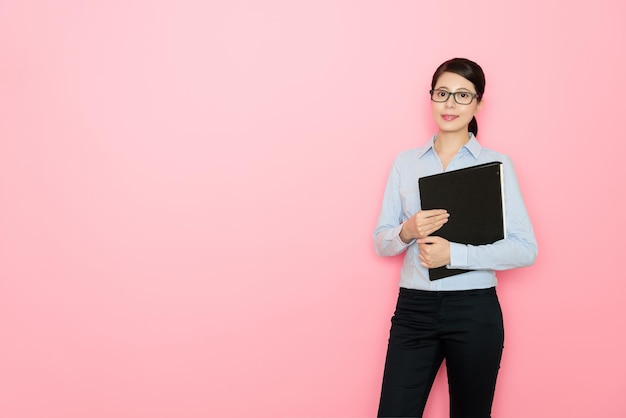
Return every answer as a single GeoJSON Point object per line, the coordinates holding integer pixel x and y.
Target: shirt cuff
{"type": "Point", "coordinates": [458, 255]}
{"type": "Point", "coordinates": [399, 244]}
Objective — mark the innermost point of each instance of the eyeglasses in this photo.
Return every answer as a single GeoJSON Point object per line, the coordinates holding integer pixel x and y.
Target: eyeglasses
{"type": "Point", "coordinates": [461, 97]}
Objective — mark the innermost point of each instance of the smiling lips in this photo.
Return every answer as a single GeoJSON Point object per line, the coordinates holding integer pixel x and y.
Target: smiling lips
{"type": "Point", "coordinates": [448, 117]}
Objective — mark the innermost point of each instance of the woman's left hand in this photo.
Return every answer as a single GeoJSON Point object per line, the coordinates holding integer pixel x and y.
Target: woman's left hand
{"type": "Point", "coordinates": [434, 252]}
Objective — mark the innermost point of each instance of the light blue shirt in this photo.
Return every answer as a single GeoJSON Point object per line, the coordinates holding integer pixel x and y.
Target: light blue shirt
{"type": "Point", "coordinates": [401, 201]}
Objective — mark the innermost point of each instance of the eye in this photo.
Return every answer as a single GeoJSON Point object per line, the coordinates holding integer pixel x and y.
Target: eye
{"type": "Point", "coordinates": [442, 94]}
{"type": "Point", "coordinates": [463, 95]}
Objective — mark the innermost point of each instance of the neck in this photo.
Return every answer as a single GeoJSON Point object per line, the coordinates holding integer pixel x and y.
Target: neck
{"type": "Point", "coordinates": [451, 142]}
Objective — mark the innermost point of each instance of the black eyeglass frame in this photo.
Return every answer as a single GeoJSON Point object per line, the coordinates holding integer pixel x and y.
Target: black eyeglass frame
{"type": "Point", "coordinates": [453, 94]}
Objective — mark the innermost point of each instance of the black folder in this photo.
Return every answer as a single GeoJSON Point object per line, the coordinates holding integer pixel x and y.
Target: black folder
{"type": "Point", "coordinates": [474, 199]}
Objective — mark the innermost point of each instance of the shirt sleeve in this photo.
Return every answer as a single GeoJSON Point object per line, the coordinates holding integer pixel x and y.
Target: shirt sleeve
{"type": "Point", "coordinates": [518, 249]}
{"type": "Point", "coordinates": [387, 240]}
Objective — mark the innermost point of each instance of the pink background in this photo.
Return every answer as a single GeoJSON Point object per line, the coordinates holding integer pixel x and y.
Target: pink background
{"type": "Point", "coordinates": [189, 188]}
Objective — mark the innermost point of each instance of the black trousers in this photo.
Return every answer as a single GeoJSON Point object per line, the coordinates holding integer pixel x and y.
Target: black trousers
{"type": "Point", "coordinates": [465, 328]}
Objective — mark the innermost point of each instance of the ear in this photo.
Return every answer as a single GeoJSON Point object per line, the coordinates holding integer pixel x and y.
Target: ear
{"type": "Point", "coordinates": [478, 107]}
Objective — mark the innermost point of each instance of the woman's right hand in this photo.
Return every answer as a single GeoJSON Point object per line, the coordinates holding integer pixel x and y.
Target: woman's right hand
{"type": "Point", "coordinates": [423, 223]}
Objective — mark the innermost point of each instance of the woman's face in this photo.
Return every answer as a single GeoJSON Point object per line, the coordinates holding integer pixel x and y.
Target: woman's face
{"type": "Point", "coordinates": [450, 116]}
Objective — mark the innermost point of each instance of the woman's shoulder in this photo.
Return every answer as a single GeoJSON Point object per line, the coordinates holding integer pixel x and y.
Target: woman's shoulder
{"type": "Point", "coordinates": [488, 155]}
{"type": "Point", "coordinates": [410, 155]}
{"type": "Point", "coordinates": [408, 160]}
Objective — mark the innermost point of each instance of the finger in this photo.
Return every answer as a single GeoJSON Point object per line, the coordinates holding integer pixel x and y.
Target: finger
{"type": "Point", "coordinates": [427, 218]}
{"type": "Point", "coordinates": [434, 212]}
{"type": "Point", "coordinates": [441, 218]}
{"type": "Point", "coordinates": [437, 215]}
{"type": "Point", "coordinates": [437, 225]}
{"type": "Point", "coordinates": [427, 240]}
{"type": "Point", "coordinates": [428, 228]}
{"type": "Point", "coordinates": [434, 221]}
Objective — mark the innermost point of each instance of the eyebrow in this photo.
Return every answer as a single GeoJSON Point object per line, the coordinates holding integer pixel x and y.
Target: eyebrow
{"type": "Point", "coordinates": [446, 88]}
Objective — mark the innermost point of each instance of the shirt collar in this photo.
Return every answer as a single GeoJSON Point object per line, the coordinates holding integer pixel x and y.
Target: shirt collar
{"type": "Point", "coordinates": [473, 146]}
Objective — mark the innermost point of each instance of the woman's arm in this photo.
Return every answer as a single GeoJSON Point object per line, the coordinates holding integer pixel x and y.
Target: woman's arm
{"type": "Point", "coordinates": [387, 240]}
{"type": "Point", "coordinates": [393, 233]}
{"type": "Point", "coordinates": [518, 249]}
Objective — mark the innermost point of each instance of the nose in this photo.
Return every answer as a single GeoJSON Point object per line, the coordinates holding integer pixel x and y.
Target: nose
{"type": "Point", "coordinates": [450, 102]}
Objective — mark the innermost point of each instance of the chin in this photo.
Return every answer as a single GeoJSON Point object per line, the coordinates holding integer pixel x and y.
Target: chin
{"type": "Point", "coordinates": [450, 129]}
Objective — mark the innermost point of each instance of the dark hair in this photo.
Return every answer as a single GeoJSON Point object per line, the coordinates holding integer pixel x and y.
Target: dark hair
{"type": "Point", "coordinates": [468, 70]}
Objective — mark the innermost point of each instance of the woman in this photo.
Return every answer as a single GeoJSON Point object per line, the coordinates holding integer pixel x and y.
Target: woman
{"type": "Point", "coordinates": [457, 318]}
